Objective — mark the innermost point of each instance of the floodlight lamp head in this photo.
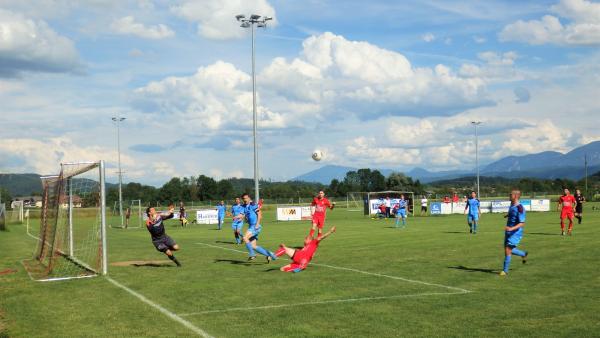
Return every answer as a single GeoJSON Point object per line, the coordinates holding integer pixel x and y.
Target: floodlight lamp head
{"type": "Point", "coordinates": [267, 18]}
{"type": "Point", "coordinates": [254, 17]}
{"type": "Point", "coordinates": [240, 17]}
{"type": "Point", "coordinates": [261, 25]}
{"type": "Point", "coordinates": [245, 24]}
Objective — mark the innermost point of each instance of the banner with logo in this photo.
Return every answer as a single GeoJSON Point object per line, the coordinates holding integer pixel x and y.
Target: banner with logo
{"type": "Point", "coordinates": [291, 213]}
{"type": "Point", "coordinates": [540, 205]}
{"type": "Point", "coordinates": [435, 208]}
{"type": "Point", "coordinates": [207, 216]}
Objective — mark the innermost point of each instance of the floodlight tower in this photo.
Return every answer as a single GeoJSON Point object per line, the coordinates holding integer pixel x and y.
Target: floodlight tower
{"type": "Point", "coordinates": [118, 121]}
{"type": "Point", "coordinates": [476, 124]}
{"type": "Point", "coordinates": [254, 19]}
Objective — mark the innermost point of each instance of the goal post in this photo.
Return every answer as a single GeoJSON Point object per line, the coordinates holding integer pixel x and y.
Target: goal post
{"type": "Point", "coordinates": [17, 212]}
{"type": "Point", "coordinates": [135, 214]}
{"type": "Point", "coordinates": [355, 200]}
{"type": "Point", "coordinates": [373, 199]}
{"type": "Point", "coordinates": [72, 237]}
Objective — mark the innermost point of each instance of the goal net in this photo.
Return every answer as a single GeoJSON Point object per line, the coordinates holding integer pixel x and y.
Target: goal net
{"type": "Point", "coordinates": [2, 217]}
{"type": "Point", "coordinates": [356, 201]}
{"type": "Point", "coordinates": [16, 215]}
{"type": "Point", "coordinates": [134, 216]}
{"type": "Point", "coordinates": [376, 198]}
{"type": "Point", "coordinates": [72, 235]}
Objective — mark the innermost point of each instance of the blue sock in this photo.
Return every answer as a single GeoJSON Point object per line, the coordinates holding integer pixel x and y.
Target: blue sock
{"type": "Point", "coordinates": [474, 226]}
{"type": "Point", "coordinates": [250, 249]}
{"type": "Point", "coordinates": [237, 239]}
{"type": "Point", "coordinates": [403, 221]}
{"type": "Point", "coordinates": [518, 252]}
{"type": "Point", "coordinates": [397, 221]}
{"type": "Point", "coordinates": [263, 251]}
{"type": "Point", "coordinates": [506, 263]}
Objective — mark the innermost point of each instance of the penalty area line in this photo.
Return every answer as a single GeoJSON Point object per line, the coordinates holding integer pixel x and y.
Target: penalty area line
{"type": "Point", "coordinates": [333, 301]}
{"type": "Point", "coordinates": [161, 309]}
{"type": "Point", "coordinates": [459, 290]}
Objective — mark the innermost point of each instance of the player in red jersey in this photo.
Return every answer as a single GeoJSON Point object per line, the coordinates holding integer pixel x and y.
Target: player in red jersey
{"type": "Point", "coordinates": [301, 257]}
{"type": "Point", "coordinates": [319, 208]}
{"type": "Point", "coordinates": [566, 204]}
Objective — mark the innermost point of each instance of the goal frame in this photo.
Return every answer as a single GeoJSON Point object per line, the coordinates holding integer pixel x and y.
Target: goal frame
{"type": "Point", "coordinates": [391, 192]}
{"type": "Point", "coordinates": [70, 252]}
{"type": "Point", "coordinates": [138, 204]}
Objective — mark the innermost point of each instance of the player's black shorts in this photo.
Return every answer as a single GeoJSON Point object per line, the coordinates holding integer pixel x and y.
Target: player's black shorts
{"type": "Point", "coordinates": [579, 209]}
{"type": "Point", "coordinates": [164, 243]}
{"type": "Point", "coordinates": [423, 208]}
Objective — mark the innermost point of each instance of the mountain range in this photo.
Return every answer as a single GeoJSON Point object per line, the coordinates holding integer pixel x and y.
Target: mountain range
{"type": "Point", "coordinates": [546, 165]}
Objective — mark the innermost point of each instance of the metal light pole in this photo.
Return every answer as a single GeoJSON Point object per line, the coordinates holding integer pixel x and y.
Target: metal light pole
{"type": "Point", "coordinates": [118, 121]}
{"type": "Point", "coordinates": [254, 19]}
{"type": "Point", "coordinates": [476, 124]}
{"type": "Point", "coordinates": [586, 175]}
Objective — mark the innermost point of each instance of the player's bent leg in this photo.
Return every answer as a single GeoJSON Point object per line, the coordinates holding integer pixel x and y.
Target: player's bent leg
{"type": "Point", "coordinates": [293, 267]}
{"type": "Point", "coordinates": [175, 247]}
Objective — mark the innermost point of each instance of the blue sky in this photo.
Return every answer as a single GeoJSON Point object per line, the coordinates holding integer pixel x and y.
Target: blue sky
{"type": "Point", "coordinates": [380, 84]}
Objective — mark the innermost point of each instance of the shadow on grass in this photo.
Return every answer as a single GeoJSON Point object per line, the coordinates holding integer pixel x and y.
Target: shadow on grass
{"type": "Point", "coordinates": [233, 261]}
{"type": "Point", "coordinates": [455, 232]}
{"type": "Point", "coordinates": [153, 265]}
{"type": "Point", "coordinates": [464, 268]}
{"type": "Point", "coordinates": [542, 234]}
{"type": "Point", "coordinates": [225, 242]}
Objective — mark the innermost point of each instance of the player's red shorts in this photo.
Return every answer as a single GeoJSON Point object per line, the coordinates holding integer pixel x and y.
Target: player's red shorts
{"type": "Point", "coordinates": [319, 220]}
{"type": "Point", "coordinates": [566, 213]}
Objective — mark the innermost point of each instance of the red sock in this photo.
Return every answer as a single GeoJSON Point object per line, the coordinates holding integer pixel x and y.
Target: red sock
{"type": "Point", "coordinates": [570, 225]}
{"type": "Point", "coordinates": [280, 252]}
{"type": "Point", "coordinates": [562, 225]}
{"type": "Point", "coordinates": [311, 233]}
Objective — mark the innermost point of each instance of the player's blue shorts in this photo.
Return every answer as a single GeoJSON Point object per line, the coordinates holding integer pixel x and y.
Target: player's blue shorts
{"type": "Point", "coordinates": [237, 225]}
{"type": "Point", "coordinates": [220, 218]}
{"type": "Point", "coordinates": [472, 217]}
{"type": "Point", "coordinates": [512, 240]}
{"type": "Point", "coordinates": [255, 231]}
{"type": "Point", "coordinates": [401, 213]}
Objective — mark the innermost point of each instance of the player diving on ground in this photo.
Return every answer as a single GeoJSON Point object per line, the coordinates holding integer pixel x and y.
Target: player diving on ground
{"type": "Point", "coordinates": [301, 257]}
{"type": "Point", "coordinates": [162, 242]}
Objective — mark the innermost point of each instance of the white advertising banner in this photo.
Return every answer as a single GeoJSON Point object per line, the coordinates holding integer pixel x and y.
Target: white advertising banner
{"type": "Point", "coordinates": [500, 206]}
{"type": "Point", "coordinates": [485, 207]}
{"type": "Point", "coordinates": [540, 205]}
{"type": "Point", "coordinates": [375, 203]}
{"type": "Point", "coordinates": [459, 207]}
{"type": "Point", "coordinates": [207, 216]}
{"type": "Point", "coordinates": [291, 213]}
{"type": "Point", "coordinates": [306, 213]}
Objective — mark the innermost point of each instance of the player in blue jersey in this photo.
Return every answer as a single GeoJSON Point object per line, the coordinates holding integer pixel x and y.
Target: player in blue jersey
{"type": "Point", "coordinates": [253, 217]}
{"type": "Point", "coordinates": [513, 232]}
{"type": "Point", "coordinates": [473, 212]}
{"type": "Point", "coordinates": [401, 211]}
{"type": "Point", "coordinates": [237, 212]}
{"type": "Point", "coordinates": [221, 209]}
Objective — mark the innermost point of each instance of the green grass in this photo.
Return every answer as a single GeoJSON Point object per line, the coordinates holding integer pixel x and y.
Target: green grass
{"type": "Point", "coordinates": [555, 294]}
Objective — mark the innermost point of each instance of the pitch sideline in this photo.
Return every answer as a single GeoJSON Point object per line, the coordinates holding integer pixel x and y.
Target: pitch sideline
{"type": "Point", "coordinates": [161, 309]}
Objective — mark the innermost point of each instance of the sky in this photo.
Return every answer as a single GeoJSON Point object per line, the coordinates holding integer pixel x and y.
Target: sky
{"type": "Point", "coordinates": [380, 84]}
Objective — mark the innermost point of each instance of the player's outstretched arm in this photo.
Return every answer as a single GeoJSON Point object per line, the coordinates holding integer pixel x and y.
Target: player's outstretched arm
{"type": "Point", "coordinates": [332, 205]}
{"type": "Point", "coordinates": [169, 213]}
{"type": "Point", "coordinates": [325, 235]}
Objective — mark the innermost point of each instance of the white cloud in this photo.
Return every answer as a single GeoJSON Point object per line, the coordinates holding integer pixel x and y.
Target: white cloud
{"type": "Point", "coordinates": [45, 155]}
{"type": "Point", "coordinates": [583, 28]}
{"type": "Point", "coordinates": [428, 37]}
{"type": "Point", "coordinates": [215, 97]}
{"type": "Point", "coordinates": [479, 39]}
{"type": "Point", "coordinates": [128, 26]}
{"type": "Point", "coordinates": [27, 45]}
{"type": "Point", "coordinates": [216, 18]}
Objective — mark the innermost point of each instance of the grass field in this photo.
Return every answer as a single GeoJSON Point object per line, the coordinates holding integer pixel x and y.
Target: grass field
{"type": "Point", "coordinates": [431, 279]}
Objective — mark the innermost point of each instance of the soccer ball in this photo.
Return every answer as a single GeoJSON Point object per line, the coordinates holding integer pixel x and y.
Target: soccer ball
{"type": "Point", "coordinates": [317, 155]}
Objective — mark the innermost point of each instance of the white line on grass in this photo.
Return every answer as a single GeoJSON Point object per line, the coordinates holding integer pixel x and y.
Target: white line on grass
{"type": "Point", "coordinates": [164, 311]}
{"type": "Point", "coordinates": [333, 301]}
{"type": "Point", "coordinates": [460, 290]}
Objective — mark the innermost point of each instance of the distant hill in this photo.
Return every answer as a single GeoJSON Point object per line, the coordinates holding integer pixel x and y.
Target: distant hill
{"type": "Point", "coordinates": [21, 184]}
{"type": "Point", "coordinates": [324, 174]}
{"type": "Point", "coordinates": [547, 164]}
{"type": "Point", "coordinates": [26, 184]}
